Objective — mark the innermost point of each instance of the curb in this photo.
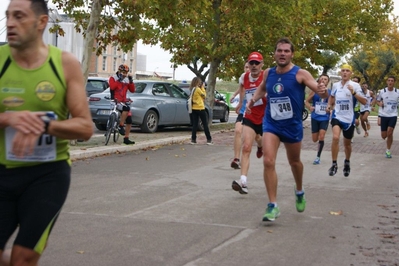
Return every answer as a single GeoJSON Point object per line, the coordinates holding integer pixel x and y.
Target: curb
{"type": "Point", "coordinates": [115, 149]}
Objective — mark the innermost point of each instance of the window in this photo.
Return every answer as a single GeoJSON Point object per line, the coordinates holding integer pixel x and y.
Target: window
{"type": "Point", "coordinates": [131, 65]}
{"type": "Point", "coordinates": [160, 90]}
{"type": "Point", "coordinates": [104, 62]}
{"type": "Point", "coordinates": [177, 92]}
{"type": "Point", "coordinates": [114, 64]}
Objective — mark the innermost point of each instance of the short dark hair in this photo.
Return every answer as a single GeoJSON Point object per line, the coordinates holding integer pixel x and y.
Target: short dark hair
{"type": "Point", "coordinates": [324, 75]}
{"type": "Point", "coordinates": [358, 79]}
{"type": "Point", "coordinates": [392, 77]}
{"type": "Point", "coordinates": [39, 7]}
{"type": "Point", "coordinates": [285, 40]}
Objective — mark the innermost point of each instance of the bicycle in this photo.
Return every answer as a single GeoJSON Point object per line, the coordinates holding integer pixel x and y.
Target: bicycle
{"type": "Point", "coordinates": [113, 123]}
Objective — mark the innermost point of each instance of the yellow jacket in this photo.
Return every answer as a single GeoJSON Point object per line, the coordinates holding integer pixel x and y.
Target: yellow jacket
{"type": "Point", "coordinates": [198, 98]}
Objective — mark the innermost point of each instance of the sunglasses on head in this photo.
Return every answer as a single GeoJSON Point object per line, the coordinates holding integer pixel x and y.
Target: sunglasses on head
{"type": "Point", "coordinates": [253, 62]}
{"type": "Point", "coordinates": [123, 72]}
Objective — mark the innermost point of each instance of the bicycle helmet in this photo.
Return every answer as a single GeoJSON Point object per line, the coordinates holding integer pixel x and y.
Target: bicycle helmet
{"type": "Point", "coordinates": [123, 68]}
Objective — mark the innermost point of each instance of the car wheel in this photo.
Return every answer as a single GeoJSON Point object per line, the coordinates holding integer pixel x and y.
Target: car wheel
{"type": "Point", "coordinates": [225, 115]}
{"type": "Point", "coordinates": [150, 122]}
{"type": "Point", "coordinates": [305, 114]}
{"type": "Point", "coordinates": [101, 126]}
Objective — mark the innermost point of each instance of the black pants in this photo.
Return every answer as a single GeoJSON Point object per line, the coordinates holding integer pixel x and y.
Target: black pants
{"type": "Point", "coordinates": [195, 116]}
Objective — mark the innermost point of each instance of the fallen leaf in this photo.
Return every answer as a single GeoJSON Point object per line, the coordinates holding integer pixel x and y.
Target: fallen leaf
{"type": "Point", "coordinates": [80, 252]}
{"type": "Point", "coordinates": [336, 213]}
{"type": "Point", "coordinates": [270, 231]}
{"type": "Point", "coordinates": [386, 235]}
{"type": "Point", "coordinates": [146, 158]}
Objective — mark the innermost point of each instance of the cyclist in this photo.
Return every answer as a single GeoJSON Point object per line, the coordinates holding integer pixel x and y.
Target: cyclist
{"type": "Point", "coordinates": [119, 84]}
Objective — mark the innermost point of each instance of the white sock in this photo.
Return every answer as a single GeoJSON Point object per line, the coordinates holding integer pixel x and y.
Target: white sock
{"type": "Point", "coordinates": [243, 179]}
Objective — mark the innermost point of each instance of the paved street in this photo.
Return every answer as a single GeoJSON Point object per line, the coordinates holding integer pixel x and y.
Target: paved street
{"type": "Point", "coordinates": [173, 205]}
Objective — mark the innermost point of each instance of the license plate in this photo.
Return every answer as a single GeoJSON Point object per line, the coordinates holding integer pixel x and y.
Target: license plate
{"type": "Point", "coordinates": [103, 112]}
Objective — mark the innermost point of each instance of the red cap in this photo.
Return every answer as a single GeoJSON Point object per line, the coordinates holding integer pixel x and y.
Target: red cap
{"type": "Point", "coordinates": [255, 56]}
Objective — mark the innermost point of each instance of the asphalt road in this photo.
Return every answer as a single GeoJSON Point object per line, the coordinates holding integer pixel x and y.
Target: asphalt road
{"type": "Point", "coordinates": [173, 205]}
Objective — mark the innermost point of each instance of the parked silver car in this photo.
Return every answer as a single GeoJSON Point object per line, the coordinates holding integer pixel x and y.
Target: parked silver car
{"type": "Point", "coordinates": [96, 85]}
{"type": "Point", "coordinates": [155, 104]}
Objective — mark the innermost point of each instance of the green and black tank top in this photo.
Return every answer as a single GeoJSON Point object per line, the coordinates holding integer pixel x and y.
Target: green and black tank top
{"type": "Point", "coordinates": [40, 89]}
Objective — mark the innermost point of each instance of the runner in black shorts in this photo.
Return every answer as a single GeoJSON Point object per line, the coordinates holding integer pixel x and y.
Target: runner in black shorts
{"type": "Point", "coordinates": [35, 166]}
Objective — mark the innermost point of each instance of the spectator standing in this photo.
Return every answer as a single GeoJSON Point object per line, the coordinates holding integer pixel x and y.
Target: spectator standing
{"type": "Point", "coordinates": [44, 85]}
{"type": "Point", "coordinates": [285, 86]}
{"type": "Point", "coordinates": [319, 116]}
{"type": "Point", "coordinates": [344, 96]}
{"type": "Point", "coordinates": [119, 85]}
{"type": "Point", "coordinates": [387, 101]}
{"type": "Point", "coordinates": [198, 107]}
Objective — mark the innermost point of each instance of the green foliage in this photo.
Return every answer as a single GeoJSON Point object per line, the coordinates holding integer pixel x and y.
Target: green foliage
{"type": "Point", "coordinates": [375, 60]}
{"type": "Point", "coordinates": [214, 37]}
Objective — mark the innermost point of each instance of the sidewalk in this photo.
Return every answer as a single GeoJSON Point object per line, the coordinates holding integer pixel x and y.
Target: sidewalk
{"type": "Point", "coordinates": [95, 146]}
{"type": "Point", "coordinates": [373, 144]}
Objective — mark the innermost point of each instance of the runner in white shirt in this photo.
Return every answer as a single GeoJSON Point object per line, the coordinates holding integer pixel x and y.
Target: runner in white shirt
{"type": "Point", "coordinates": [344, 95]}
{"type": "Point", "coordinates": [365, 109]}
{"type": "Point", "coordinates": [387, 100]}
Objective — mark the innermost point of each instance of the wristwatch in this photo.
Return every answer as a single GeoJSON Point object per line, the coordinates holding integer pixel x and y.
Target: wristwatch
{"type": "Point", "coordinates": [46, 121]}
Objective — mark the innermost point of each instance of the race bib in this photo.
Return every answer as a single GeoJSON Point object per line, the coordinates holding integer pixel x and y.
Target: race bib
{"type": "Point", "coordinates": [342, 107]}
{"type": "Point", "coordinates": [281, 108]}
{"type": "Point", "coordinates": [249, 94]}
{"type": "Point", "coordinates": [320, 108]}
{"type": "Point", "coordinates": [390, 107]}
{"type": "Point", "coordinates": [44, 151]}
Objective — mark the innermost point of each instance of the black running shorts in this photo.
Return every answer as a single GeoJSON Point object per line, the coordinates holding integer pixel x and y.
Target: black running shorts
{"type": "Point", "coordinates": [31, 198]}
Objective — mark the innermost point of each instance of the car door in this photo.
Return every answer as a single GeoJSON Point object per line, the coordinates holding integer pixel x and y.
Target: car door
{"type": "Point", "coordinates": [218, 106]}
{"type": "Point", "coordinates": [165, 103]}
{"type": "Point", "coordinates": [182, 117]}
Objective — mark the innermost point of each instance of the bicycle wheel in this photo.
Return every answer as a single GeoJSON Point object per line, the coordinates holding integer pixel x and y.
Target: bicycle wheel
{"type": "Point", "coordinates": [116, 132]}
{"type": "Point", "coordinates": [110, 127]}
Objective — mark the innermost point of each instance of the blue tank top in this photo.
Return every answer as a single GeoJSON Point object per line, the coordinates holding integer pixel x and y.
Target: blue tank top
{"type": "Point", "coordinates": [285, 97]}
{"type": "Point", "coordinates": [320, 105]}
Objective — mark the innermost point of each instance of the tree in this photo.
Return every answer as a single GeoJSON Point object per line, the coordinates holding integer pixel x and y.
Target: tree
{"type": "Point", "coordinates": [374, 60]}
{"type": "Point", "coordinates": [214, 37]}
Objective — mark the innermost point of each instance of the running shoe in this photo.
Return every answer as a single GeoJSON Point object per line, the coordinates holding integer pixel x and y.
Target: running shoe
{"type": "Point", "coordinates": [347, 168]}
{"type": "Point", "coordinates": [235, 163]}
{"type": "Point", "coordinates": [368, 126]}
{"type": "Point", "coordinates": [366, 134]}
{"type": "Point", "coordinates": [300, 201]}
{"type": "Point", "coordinates": [388, 154]}
{"type": "Point", "coordinates": [316, 161]}
{"type": "Point", "coordinates": [333, 170]}
{"type": "Point", "coordinates": [358, 130]}
{"type": "Point", "coordinates": [240, 187]}
{"type": "Point", "coordinates": [209, 142]}
{"type": "Point", "coordinates": [127, 141]}
{"type": "Point", "coordinates": [193, 142]}
{"type": "Point", "coordinates": [259, 152]}
{"type": "Point", "coordinates": [121, 130]}
{"type": "Point", "coordinates": [272, 212]}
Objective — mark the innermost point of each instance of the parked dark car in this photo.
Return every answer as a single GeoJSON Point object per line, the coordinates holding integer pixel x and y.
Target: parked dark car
{"type": "Point", "coordinates": [155, 104]}
{"type": "Point", "coordinates": [221, 110]}
{"type": "Point", "coordinates": [96, 85]}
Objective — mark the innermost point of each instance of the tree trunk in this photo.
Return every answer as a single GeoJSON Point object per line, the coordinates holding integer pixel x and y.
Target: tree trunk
{"type": "Point", "coordinates": [90, 36]}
